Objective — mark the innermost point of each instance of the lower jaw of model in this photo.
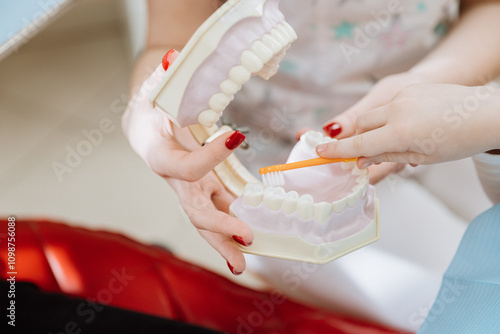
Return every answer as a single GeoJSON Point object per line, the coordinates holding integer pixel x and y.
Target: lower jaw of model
{"type": "Point", "coordinates": [243, 38]}
{"type": "Point", "coordinates": [320, 204]}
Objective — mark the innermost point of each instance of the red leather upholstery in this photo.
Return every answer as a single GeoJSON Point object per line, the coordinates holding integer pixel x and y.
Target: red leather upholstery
{"type": "Point", "coordinates": [112, 269]}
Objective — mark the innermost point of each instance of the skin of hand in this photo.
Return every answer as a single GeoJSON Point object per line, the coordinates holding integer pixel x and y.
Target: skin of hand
{"type": "Point", "coordinates": [174, 154]}
{"type": "Point", "coordinates": [424, 124]}
{"type": "Point", "coordinates": [467, 56]}
{"type": "Point", "coordinates": [381, 94]}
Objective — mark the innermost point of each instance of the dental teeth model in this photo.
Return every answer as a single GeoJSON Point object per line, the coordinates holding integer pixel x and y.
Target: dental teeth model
{"type": "Point", "coordinates": [322, 213]}
{"type": "Point", "coordinates": [243, 37]}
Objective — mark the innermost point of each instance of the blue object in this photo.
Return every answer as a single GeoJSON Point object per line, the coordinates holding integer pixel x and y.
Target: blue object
{"type": "Point", "coordinates": [469, 298]}
{"type": "Point", "coordinates": [20, 20]}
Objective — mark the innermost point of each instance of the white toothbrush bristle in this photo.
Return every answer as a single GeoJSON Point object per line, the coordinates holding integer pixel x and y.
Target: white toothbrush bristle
{"type": "Point", "coordinates": [273, 179]}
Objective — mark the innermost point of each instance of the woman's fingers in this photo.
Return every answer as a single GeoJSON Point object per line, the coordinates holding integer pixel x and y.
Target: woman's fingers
{"type": "Point", "coordinates": [344, 125]}
{"type": "Point", "coordinates": [412, 158]}
{"type": "Point", "coordinates": [196, 199]}
{"type": "Point", "coordinates": [372, 120]}
{"type": "Point", "coordinates": [379, 172]}
{"type": "Point", "coordinates": [228, 249]}
{"type": "Point", "coordinates": [368, 144]}
{"type": "Point", "coordinates": [219, 222]}
{"type": "Point", "coordinates": [156, 77]}
{"type": "Point", "coordinates": [170, 159]}
{"type": "Point", "coordinates": [222, 200]}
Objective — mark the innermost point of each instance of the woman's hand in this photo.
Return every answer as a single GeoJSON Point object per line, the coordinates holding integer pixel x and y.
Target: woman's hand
{"type": "Point", "coordinates": [344, 125]}
{"type": "Point", "coordinates": [174, 154]}
{"type": "Point", "coordinates": [424, 124]}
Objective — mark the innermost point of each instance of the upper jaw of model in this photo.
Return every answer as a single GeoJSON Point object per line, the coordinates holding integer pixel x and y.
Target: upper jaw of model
{"type": "Point", "coordinates": [320, 204]}
{"type": "Point", "coordinates": [242, 38]}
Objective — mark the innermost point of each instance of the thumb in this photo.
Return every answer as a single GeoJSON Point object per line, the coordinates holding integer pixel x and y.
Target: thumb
{"type": "Point", "coordinates": [191, 166]}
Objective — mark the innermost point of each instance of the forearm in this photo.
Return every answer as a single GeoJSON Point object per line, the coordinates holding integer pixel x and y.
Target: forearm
{"type": "Point", "coordinates": [170, 25]}
{"type": "Point", "coordinates": [470, 54]}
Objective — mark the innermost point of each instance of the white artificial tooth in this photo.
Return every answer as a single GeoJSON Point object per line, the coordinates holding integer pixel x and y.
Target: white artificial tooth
{"type": "Point", "coordinates": [218, 102]}
{"type": "Point", "coordinates": [305, 207]}
{"type": "Point", "coordinates": [254, 186]}
{"type": "Point", "coordinates": [361, 178]}
{"type": "Point", "coordinates": [280, 36]}
{"type": "Point", "coordinates": [289, 37]}
{"type": "Point", "coordinates": [291, 32]}
{"type": "Point", "coordinates": [290, 202]}
{"type": "Point", "coordinates": [208, 118]}
{"type": "Point", "coordinates": [364, 189]}
{"type": "Point", "coordinates": [355, 170]}
{"type": "Point", "coordinates": [312, 138]}
{"type": "Point", "coordinates": [339, 205]}
{"type": "Point", "coordinates": [239, 74]}
{"type": "Point", "coordinates": [229, 87]}
{"type": "Point", "coordinates": [348, 165]}
{"type": "Point", "coordinates": [273, 198]}
{"type": "Point", "coordinates": [352, 199]}
{"type": "Point", "coordinates": [322, 211]}
{"type": "Point", "coordinates": [251, 62]}
{"type": "Point", "coordinates": [327, 140]}
{"type": "Point", "coordinates": [262, 51]}
{"type": "Point", "coordinates": [272, 43]}
{"type": "Point", "coordinates": [253, 194]}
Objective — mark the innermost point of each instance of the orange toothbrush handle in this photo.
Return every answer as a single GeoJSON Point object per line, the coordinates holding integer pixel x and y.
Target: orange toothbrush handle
{"type": "Point", "coordinates": [301, 164]}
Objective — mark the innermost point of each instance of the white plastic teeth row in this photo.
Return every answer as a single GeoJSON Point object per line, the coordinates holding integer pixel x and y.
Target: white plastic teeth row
{"type": "Point", "coordinates": [275, 198]}
{"type": "Point", "coordinates": [262, 58]}
{"type": "Point", "coordinates": [315, 138]}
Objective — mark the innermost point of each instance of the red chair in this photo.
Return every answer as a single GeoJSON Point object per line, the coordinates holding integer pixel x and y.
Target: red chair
{"type": "Point", "coordinates": [112, 269]}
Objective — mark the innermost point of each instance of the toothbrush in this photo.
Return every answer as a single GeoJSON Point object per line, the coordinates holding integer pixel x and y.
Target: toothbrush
{"type": "Point", "coordinates": [273, 175]}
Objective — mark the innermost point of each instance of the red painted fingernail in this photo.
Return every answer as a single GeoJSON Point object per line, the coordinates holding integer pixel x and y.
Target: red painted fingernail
{"type": "Point", "coordinates": [332, 129]}
{"type": "Point", "coordinates": [232, 269]}
{"type": "Point", "coordinates": [166, 59]}
{"type": "Point", "coordinates": [241, 241]}
{"type": "Point", "coordinates": [235, 140]}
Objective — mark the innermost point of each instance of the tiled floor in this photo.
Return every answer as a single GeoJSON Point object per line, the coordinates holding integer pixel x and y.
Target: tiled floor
{"type": "Point", "coordinates": [64, 83]}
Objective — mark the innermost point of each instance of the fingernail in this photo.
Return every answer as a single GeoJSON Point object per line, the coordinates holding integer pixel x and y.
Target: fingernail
{"type": "Point", "coordinates": [235, 140]}
{"type": "Point", "coordinates": [236, 273]}
{"type": "Point", "coordinates": [241, 241]}
{"type": "Point", "coordinates": [166, 59]}
{"type": "Point", "coordinates": [321, 148]}
{"type": "Point", "coordinates": [332, 129]}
